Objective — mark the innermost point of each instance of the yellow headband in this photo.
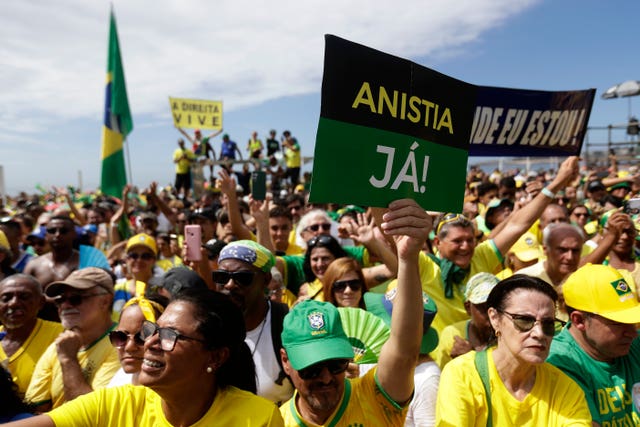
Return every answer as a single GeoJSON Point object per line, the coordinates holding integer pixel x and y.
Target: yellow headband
{"type": "Point", "coordinates": [146, 306]}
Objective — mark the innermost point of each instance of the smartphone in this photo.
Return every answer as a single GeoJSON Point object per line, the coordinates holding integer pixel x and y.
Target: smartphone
{"type": "Point", "coordinates": [632, 206]}
{"type": "Point", "coordinates": [258, 185]}
{"type": "Point", "coordinates": [193, 240]}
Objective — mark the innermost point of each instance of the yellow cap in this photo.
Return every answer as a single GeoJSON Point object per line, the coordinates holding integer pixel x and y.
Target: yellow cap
{"type": "Point", "coordinates": [526, 248]}
{"type": "Point", "coordinates": [142, 239]}
{"type": "Point", "coordinates": [601, 289]}
{"type": "Point", "coordinates": [4, 242]}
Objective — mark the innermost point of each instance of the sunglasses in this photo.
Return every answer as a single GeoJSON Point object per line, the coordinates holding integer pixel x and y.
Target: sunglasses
{"type": "Point", "coordinates": [315, 227]}
{"type": "Point", "coordinates": [450, 217]}
{"type": "Point", "coordinates": [322, 240]}
{"type": "Point", "coordinates": [334, 366]}
{"type": "Point", "coordinates": [75, 299]}
{"type": "Point", "coordinates": [120, 338]}
{"type": "Point", "coordinates": [242, 278]}
{"type": "Point", "coordinates": [524, 323]}
{"type": "Point", "coordinates": [145, 256]}
{"type": "Point", "coordinates": [61, 230]}
{"type": "Point", "coordinates": [341, 285]}
{"type": "Point", "coordinates": [168, 337]}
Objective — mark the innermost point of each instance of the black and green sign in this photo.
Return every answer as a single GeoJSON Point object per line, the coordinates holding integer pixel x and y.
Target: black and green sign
{"type": "Point", "coordinates": [390, 129]}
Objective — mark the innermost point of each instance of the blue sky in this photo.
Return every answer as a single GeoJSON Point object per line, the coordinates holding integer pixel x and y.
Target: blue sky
{"type": "Point", "coordinates": [265, 63]}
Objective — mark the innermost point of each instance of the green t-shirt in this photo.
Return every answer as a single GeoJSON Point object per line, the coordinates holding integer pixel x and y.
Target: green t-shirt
{"type": "Point", "coordinates": [608, 387]}
{"type": "Point", "coordinates": [294, 271]}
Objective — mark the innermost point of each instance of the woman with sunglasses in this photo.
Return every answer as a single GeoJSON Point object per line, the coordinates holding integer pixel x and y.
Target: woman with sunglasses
{"type": "Point", "coordinates": [141, 252]}
{"type": "Point", "coordinates": [197, 369]}
{"type": "Point", "coordinates": [127, 338]}
{"type": "Point", "coordinates": [510, 383]}
{"type": "Point", "coordinates": [344, 284]}
{"type": "Point", "coordinates": [321, 251]}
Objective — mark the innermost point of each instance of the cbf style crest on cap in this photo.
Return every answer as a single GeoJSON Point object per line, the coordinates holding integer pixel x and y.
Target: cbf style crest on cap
{"type": "Point", "coordinates": [602, 290]}
{"type": "Point", "coordinates": [312, 332]}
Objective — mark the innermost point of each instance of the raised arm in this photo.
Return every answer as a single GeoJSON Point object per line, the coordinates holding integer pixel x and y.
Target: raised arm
{"type": "Point", "coordinates": [153, 198]}
{"type": "Point", "coordinates": [365, 233]}
{"type": "Point", "coordinates": [186, 135]}
{"type": "Point", "coordinates": [409, 225]}
{"type": "Point", "coordinates": [522, 219]}
{"type": "Point", "coordinates": [114, 234]}
{"type": "Point", "coordinates": [228, 186]}
{"type": "Point", "coordinates": [260, 211]}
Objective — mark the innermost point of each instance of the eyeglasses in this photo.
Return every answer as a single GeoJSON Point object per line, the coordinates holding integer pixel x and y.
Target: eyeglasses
{"type": "Point", "coordinates": [341, 285]}
{"type": "Point", "coordinates": [168, 336]}
{"type": "Point", "coordinates": [322, 240]}
{"type": "Point", "coordinates": [524, 323]}
{"type": "Point", "coordinates": [145, 256]}
{"type": "Point", "coordinates": [315, 227]}
{"type": "Point", "coordinates": [450, 217]}
{"type": "Point", "coordinates": [120, 338]}
{"type": "Point", "coordinates": [61, 230]}
{"type": "Point", "coordinates": [335, 367]}
{"type": "Point", "coordinates": [242, 278]}
{"type": "Point", "coordinates": [75, 299]}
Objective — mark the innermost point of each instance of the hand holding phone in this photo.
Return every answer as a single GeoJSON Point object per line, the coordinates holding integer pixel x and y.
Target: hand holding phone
{"type": "Point", "coordinates": [193, 241]}
{"type": "Point", "coordinates": [258, 185]}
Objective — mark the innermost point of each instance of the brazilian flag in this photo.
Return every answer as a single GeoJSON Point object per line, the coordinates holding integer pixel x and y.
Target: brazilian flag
{"type": "Point", "coordinates": [117, 120]}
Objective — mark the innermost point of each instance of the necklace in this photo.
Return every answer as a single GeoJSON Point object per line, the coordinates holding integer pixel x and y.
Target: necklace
{"type": "Point", "coordinates": [264, 322]}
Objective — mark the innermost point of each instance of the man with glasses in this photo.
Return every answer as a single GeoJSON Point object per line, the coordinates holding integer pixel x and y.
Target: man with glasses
{"type": "Point", "coordinates": [599, 348]}
{"type": "Point", "coordinates": [244, 274]}
{"type": "Point", "coordinates": [81, 358]}
{"type": "Point", "coordinates": [24, 337]}
{"type": "Point", "coordinates": [63, 258]}
{"type": "Point", "coordinates": [316, 350]}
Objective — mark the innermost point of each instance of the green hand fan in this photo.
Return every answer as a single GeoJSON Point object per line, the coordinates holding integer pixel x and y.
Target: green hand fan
{"type": "Point", "coordinates": [366, 332]}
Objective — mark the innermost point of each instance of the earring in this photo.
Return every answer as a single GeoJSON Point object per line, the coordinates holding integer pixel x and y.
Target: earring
{"type": "Point", "coordinates": [209, 369]}
{"type": "Point", "coordinates": [498, 334]}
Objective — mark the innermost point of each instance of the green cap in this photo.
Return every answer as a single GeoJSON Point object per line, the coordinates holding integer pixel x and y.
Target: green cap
{"type": "Point", "coordinates": [312, 332]}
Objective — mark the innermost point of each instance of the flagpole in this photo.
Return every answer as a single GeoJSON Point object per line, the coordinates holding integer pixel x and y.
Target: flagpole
{"type": "Point", "coordinates": [128, 159]}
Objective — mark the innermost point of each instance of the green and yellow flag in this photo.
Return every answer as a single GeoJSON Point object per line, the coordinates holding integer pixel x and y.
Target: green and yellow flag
{"type": "Point", "coordinates": [117, 120]}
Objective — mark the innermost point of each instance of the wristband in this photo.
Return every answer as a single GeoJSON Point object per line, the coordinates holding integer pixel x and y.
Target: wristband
{"type": "Point", "coordinates": [548, 193]}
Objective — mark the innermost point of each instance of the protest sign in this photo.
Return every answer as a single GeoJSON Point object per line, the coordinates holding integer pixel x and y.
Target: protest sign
{"type": "Point", "coordinates": [517, 122]}
{"type": "Point", "coordinates": [390, 129]}
{"type": "Point", "coordinates": [196, 113]}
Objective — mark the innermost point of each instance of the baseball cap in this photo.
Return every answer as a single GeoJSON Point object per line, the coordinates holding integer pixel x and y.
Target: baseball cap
{"type": "Point", "coordinates": [595, 185]}
{"type": "Point", "coordinates": [206, 213]}
{"type": "Point", "coordinates": [526, 248]}
{"type": "Point", "coordinates": [312, 332]}
{"type": "Point", "coordinates": [38, 233]}
{"type": "Point", "coordinates": [249, 252]}
{"type": "Point", "coordinates": [85, 278]}
{"type": "Point", "coordinates": [382, 305]}
{"type": "Point", "coordinates": [623, 184]}
{"type": "Point", "coordinates": [180, 278]}
{"type": "Point", "coordinates": [479, 286]}
{"type": "Point", "coordinates": [214, 246]}
{"type": "Point", "coordinates": [601, 289]}
{"type": "Point", "coordinates": [142, 239]}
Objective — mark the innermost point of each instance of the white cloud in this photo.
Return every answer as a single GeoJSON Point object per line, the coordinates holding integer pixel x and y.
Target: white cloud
{"type": "Point", "coordinates": [244, 52]}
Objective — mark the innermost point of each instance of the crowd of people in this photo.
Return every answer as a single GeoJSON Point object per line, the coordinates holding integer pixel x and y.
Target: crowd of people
{"type": "Point", "coordinates": [520, 310]}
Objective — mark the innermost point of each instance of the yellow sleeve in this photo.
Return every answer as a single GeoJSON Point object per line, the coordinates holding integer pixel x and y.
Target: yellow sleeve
{"type": "Point", "coordinates": [106, 371]}
{"type": "Point", "coordinates": [461, 400]}
{"type": "Point", "coordinates": [39, 390]}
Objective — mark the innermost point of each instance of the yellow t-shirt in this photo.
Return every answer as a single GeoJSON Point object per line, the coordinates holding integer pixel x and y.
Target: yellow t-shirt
{"type": "Point", "coordinates": [554, 400]}
{"type": "Point", "coordinates": [183, 165]}
{"type": "Point", "coordinates": [99, 363]}
{"type": "Point", "coordinates": [485, 258]}
{"type": "Point", "coordinates": [137, 406]}
{"type": "Point", "coordinates": [22, 363]}
{"type": "Point", "coordinates": [363, 404]}
{"type": "Point", "coordinates": [442, 353]}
